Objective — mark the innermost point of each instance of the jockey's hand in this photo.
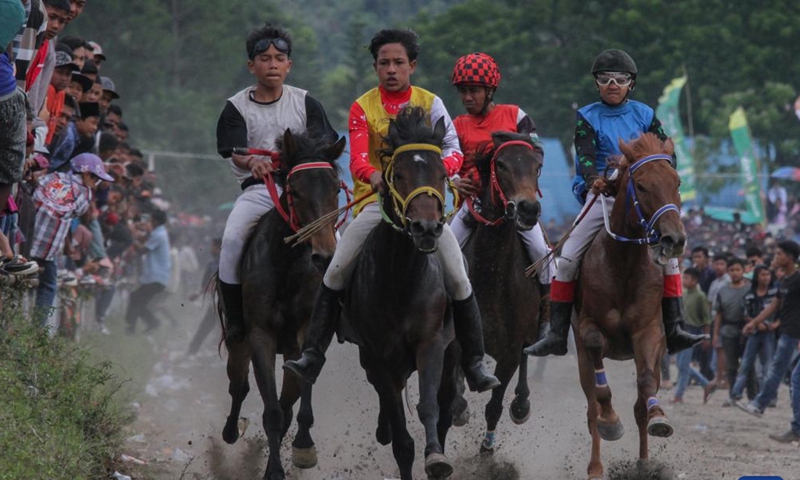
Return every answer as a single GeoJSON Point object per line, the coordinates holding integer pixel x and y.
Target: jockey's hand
{"type": "Point", "coordinates": [376, 182]}
{"type": "Point", "coordinates": [465, 186]}
{"type": "Point", "coordinates": [260, 168]}
{"type": "Point", "coordinates": [599, 186]}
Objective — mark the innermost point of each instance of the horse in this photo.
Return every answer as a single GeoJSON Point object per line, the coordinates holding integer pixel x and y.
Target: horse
{"type": "Point", "coordinates": [396, 302]}
{"type": "Point", "coordinates": [510, 301]}
{"type": "Point", "coordinates": [279, 283]}
{"type": "Point", "coordinates": [619, 292]}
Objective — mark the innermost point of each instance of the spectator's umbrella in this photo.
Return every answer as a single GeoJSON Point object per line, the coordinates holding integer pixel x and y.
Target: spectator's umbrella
{"type": "Point", "coordinates": [787, 173]}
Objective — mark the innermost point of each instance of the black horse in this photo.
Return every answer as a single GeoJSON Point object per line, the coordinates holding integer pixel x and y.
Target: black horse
{"type": "Point", "coordinates": [279, 283]}
{"type": "Point", "coordinates": [397, 304]}
{"type": "Point", "coordinates": [509, 300]}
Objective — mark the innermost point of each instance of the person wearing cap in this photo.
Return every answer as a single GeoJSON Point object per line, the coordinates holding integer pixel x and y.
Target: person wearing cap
{"type": "Point", "coordinates": [90, 70]}
{"type": "Point", "coordinates": [95, 93]}
{"type": "Point", "coordinates": [97, 51]}
{"type": "Point", "coordinates": [255, 117]}
{"type": "Point", "coordinates": [62, 75]}
{"type": "Point", "coordinates": [59, 197]}
{"type": "Point", "coordinates": [477, 76]}
{"type": "Point", "coordinates": [109, 94]}
{"type": "Point", "coordinates": [598, 130]}
{"type": "Point", "coordinates": [79, 85]}
{"type": "Point", "coordinates": [77, 135]}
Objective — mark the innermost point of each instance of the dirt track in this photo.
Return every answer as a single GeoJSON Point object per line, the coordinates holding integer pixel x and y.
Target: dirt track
{"type": "Point", "coordinates": [184, 404]}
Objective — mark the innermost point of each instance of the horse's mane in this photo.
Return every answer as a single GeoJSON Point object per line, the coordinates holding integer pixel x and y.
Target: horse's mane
{"type": "Point", "coordinates": [412, 125]}
{"type": "Point", "coordinates": [646, 144]}
{"type": "Point", "coordinates": [307, 148]}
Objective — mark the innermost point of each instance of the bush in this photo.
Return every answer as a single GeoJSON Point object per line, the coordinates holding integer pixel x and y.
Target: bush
{"type": "Point", "coordinates": [58, 413]}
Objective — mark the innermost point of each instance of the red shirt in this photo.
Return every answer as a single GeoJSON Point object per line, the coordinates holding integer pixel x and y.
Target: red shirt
{"type": "Point", "coordinates": [475, 132]}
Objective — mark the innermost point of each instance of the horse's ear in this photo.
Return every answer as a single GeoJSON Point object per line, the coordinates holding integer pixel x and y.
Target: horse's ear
{"type": "Point", "coordinates": [439, 131]}
{"type": "Point", "coordinates": [394, 135]}
{"type": "Point", "coordinates": [669, 147]}
{"type": "Point", "coordinates": [335, 150]}
{"type": "Point", "coordinates": [287, 144]}
{"type": "Point", "coordinates": [626, 150]}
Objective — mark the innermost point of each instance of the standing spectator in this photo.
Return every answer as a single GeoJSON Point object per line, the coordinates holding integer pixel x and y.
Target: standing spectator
{"type": "Point", "coordinates": [717, 358]}
{"type": "Point", "coordinates": [754, 257]}
{"type": "Point", "coordinates": [788, 309]}
{"type": "Point", "coordinates": [29, 39]}
{"type": "Point", "coordinates": [56, 92]}
{"type": "Point", "coordinates": [761, 340]}
{"type": "Point", "coordinates": [700, 262]}
{"type": "Point", "coordinates": [59, 198]}
{"type": "Point", "coordinates": [793, 434]}
{"type": "Point", "coordinates": [729, 321]}
{"type": "Point", "coordinates": [156, 271]}
{"type": "Point", "coordinates": [698, 320]}
{"type": "Point", "coordinates": [84, 126]}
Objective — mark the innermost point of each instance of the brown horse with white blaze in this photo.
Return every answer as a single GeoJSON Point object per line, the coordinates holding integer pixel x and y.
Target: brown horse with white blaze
{"type": "Point", "coordinates": [620, 289]}
{"type": "Point", "coordinates": [279, 284]}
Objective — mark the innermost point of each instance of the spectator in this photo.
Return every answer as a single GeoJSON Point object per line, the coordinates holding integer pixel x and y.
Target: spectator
{"type": "Point", "coordinates": [29, 40]}
{"type": "Point", "coordinates": [156, 271]}
{"type": "Point", "coordinates": [90, 70]}
{"type": "Point", "coordinates": [788, 310]}
{"type": "Point", "coordinates": [79, 51]}
{"type": "Point", "coordinates": [109, 94]}
{"type": "Point", "coordinates": [720, 266]}
{"type": "Point", "coordinates": [59, 198]}
{"type": "Point", "coordinates": [97, 51]}
{"type": "Point", "coordinates": [84, 126]}
{"type": "Point", "coordinates": [755, 257]}
{"type": "Point", "coordinates": [698, 320]}
{"type": "Point", "coordinates": [78, 86]}
{"type": "Point", "coordinates": [62, 74]}
{"type": "Point", "coordinates": [66, 116]}
{"type": "Point", "coordinates": [700, 262]}
{"type": "Point", "coordinates": [94, 94]}
{"type": "Point", "coordinates": [729, 321]}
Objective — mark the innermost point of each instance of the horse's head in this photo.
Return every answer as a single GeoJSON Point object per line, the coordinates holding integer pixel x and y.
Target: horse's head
{"type": "Point", "coordinates": [415, 176]}
{"type": "Point", "coordinates": [650, 185]}
{"type": "Point", "coordinates": [311, 183]}
{"type": "Point", "coordinates": [514, 170]}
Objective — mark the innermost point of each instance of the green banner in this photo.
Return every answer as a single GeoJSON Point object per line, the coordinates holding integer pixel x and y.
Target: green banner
{"type": "Point", "coordinates": [669, 114]}
{"type": "Point", "coordinates": [742, 141]}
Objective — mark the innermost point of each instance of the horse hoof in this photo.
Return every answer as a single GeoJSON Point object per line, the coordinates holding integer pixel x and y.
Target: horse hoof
{"type": "Point", "coordinates": [438, 466]}
{"type": "Point", "coordinates": [462, 418]}
{"type": "Point", "coordinates": [230, 433]}
{"type": "Point", "coordinates": [659, 427]}
{"type": "Point", "coordinates": [487, 450]}
{"type": "Point", "coordinates": [520, 411]}
{"type": "Point", "coordinates": [610, 432]}
{"type": "Point", "coordinates": [383, 434]}
{"type": "Point", "coordinates": [304, 457]}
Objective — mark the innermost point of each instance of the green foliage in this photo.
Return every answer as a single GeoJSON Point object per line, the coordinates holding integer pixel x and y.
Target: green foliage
{"type": "Point", "coordinates": [57, 410]}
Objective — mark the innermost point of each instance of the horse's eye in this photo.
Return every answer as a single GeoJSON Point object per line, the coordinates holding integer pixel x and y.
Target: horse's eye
{"type": "Point", "coordinates": [640, 188]}
{"type": "Point", "coordinates": [398, 177]}
{"type": "Point", "coordinates": [501, 166]}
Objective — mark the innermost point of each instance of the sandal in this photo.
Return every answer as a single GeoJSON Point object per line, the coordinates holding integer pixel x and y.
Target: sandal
{"type": "Point", "coordinates": [17, 266]}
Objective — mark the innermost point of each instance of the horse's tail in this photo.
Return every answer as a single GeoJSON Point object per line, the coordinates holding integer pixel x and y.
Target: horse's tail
{"type": "Point", "coordinates": [212, 288]}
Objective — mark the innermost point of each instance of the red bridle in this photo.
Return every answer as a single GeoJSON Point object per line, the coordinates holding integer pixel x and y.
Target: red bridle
{"type": "Point", "coordinates": [494, 185]}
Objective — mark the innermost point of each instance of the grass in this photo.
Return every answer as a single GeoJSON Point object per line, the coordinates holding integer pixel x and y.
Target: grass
{"type": "Point", "coordinates": [59, 412]}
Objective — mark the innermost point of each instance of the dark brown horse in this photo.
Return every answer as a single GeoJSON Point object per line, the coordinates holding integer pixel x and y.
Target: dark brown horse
{"type": "Point", "coordinates": [619, 296]}
{"type": "Point", "coordinates": [279, 283]}
{"type": "Point", "coordinates": [508, 299]}
{"type": "Point", "coordinates": [396, 302]}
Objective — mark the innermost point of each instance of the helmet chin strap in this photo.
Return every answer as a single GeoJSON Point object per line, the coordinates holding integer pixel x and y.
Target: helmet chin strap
{"type": "Point", "coordinates": [488, 100]}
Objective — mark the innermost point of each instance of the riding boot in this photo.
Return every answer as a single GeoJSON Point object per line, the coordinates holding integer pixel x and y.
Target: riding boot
{"type": "Point", "coordinates": [232, 302]}
{"type": "Point", "coordinates": [469, 332]}
{"type": "Point", "coordinates": [544, 307]}
{"type": "Point", "coordinates": [321, 328]}
{"type": "Point", "coordinates": [555, 342]}
{"type": "Point", "coordinates": [677, 338]}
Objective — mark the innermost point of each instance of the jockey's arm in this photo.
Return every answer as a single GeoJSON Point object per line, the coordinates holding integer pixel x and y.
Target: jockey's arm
{"type": "Point", "coordinates": [451, 150]}
{"type": "Point", "coordinates": [525, 125]}
{"type": "Point", "coordinates": [232, 133]}
{"type": "Point", "coordinates": [585, 141]}
{"type": "Point", "coordinates": [360, 168]}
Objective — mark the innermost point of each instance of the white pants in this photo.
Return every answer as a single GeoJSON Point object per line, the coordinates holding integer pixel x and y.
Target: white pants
{"type": "Point", "coordinates": [533, 240]}
{"type": "Point", "coordinates": [251, 205]}
{"type": "Point", "coordinates": [581, 239]}
{"type": "Point", "coordinates": [347, 250]}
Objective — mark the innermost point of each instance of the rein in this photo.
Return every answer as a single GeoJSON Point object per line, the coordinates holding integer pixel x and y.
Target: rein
{"type": "Point", "coordinates": [651, 235]}
{"type": "Point", "coordinates": [399, 202]}
{"type": "Point", "coordinates": [495, 188]}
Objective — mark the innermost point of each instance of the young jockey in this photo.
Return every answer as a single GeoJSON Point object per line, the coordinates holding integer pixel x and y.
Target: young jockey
{"type": "Point", "coordinates": [599, 127]}
{"type": "Point", "coordinates": [395, 58]}
{"type": "Point", "coordinates": [477, 77]}
{"type": "Point", "coordinates": [254, 118]}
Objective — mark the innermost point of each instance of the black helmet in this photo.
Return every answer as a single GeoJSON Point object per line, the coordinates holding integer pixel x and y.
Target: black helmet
{"type": "Point", "coordinates": [614, 60]}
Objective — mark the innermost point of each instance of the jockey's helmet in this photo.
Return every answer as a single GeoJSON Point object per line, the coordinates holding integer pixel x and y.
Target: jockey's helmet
{"type": "Point", "coordinates": [614, 60]}
{"type": "Point", "coordinates": [476, 69]}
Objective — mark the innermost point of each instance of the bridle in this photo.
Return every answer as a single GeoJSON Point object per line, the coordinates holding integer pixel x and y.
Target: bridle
{"type": "Point", "coordinates": [509, 207]}
{"type": "Point", "coordinates": [651, 235]}
{"type": "Point", "coordinates": [400, 203]}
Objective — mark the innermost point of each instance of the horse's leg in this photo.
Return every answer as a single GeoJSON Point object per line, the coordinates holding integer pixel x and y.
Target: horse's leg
{"type": "Point", "coordinates": [587, 377]}
{"type": "Point", "coordinates": [304, 454]}
{"type": "Point", "coordinates": [447, 392]}
{"type": "Point", "coordinates": [430, 361]}
{"type": "Point", "coordinates": [383, 434]}
{"type": "Point", "coordinates": [264, 346]}
{"type": "Point", "coordinates": [521, 407]}
{"type": "Point", "coordinates": [504, 370]}
{"type": "Point", "coordinates": [648, 348]}
{"type": "Point", "coordinates": [609, 426]}
{"type": "Point", "coordinates": [290, 393]}
{"type": "Point", "coordinates": [460, 407]}
{"type": "Point", "coordinates": [238, 369]}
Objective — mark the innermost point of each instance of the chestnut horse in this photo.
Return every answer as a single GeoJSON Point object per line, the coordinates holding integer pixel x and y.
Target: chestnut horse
{"type": "Point", "coordinates": [620, 288]}
{"type": "Point", "coordinates": [279, 284]}
{"type": "Point", "coordinates": [509, 300]}
{"type": "Point", "coordinates": [396, 302]}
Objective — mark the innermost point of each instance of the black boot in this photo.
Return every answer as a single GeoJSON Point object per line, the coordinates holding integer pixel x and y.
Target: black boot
{"type": "Point", "coordinates": [321, 328]}
{"type": "Point", "coordinates": [672, 315]}
{"type": "Point", "coordinates": [555, 342]}
{"type": "Point", "coordinates": [544, 306]}
{"type": "Point", "coordinates": [234, 312]}
{"type": "Point", "coordinates": [469, 333]}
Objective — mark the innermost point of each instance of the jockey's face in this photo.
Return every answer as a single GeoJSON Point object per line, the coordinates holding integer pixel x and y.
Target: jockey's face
{"type": "Point", "coordinates": [393, 67]}
{"type": "Point", "coordinates": [270, 67]}
{"type": "Point", "coordinates": [473, 97]}
{"type": "Point", "coordinates": [612, 93]}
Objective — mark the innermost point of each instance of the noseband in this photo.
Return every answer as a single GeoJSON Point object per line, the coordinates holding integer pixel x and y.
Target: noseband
{"type": "Point", "coordinates": [651, 235]}
{"type": "Point", "coordinates": [400, 203]}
